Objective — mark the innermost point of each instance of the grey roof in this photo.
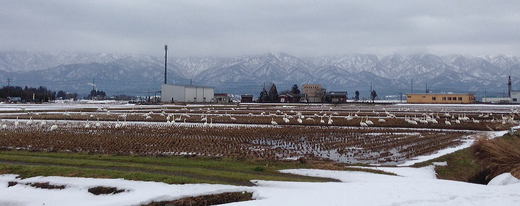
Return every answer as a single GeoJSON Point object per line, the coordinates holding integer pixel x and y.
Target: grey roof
{"type": "Point", "coordinates": [193, 86]}
{"type": "Point", "coordinates": [337, 93]}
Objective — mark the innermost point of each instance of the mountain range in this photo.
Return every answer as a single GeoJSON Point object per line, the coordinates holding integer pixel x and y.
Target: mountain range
{"type": "Point", "coordinates": [143, 75]}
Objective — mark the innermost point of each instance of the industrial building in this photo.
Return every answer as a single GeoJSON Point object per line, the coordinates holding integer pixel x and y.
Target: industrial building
{"type": "Point", "coordinates": [513, 96]}
{"type": "Point", "coordinates": [497, 100]}
{"type": "Point", "coordinates": [187, 93]}
{"type": "Point", "coordinates": [173, 93]}
{"type": "Point", "coordinates": [314, 93]}
{"type": "Point", "coordinates": [430, 98]}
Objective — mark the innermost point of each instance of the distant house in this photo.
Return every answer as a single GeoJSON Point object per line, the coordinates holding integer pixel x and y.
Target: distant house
{"type": "Point", "coordinates": [288, 97]}
{"type": "Point", "coordinates": [336, 97]}
{"type": "Point", "coordinates": [222, 98]}
{"type": "Point", "coordinates": [313, 93]}
{"type": "Point", "coordinates": [246, 98]}
{"type": "Point", "coordinates": [14, 99]}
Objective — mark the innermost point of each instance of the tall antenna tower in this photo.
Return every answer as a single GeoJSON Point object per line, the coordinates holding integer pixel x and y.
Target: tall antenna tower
{"type": "Point", "coordinates": [165, 64]}
{"type": "Point", "coordinates": [509, 87]}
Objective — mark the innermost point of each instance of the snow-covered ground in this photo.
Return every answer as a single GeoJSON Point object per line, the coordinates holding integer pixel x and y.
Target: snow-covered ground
{"type": "Point", "coordinates": [63, 106]}
{"type": "Point", "coordinates": [466, 143]}
{"type": "Point", "coordinates": [76, 191]}
{"type": "Point", "coordinates": [412, 186]}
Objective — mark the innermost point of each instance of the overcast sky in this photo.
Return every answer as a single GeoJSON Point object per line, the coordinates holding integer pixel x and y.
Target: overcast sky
{"type": "Point", "coordinates": [240, 27]}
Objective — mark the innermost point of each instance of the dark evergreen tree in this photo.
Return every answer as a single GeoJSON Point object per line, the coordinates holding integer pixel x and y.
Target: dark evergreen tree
{"type": "Point", "coordinates": [273, 94]}
{"type": "Point", "coordinates": [357, 95]}
{"type": "Point", "coordinates": [28, 94]}
{"type": "Point", "coordinates": [96, 94]}
{"type": "Point", "coordinates": [264, 96]}
{"type": "Point", "coordinates": [373, 95]}
{"type": "Point", "coordinates": [71, 96]}
{"type": "Point", "coordinates": [295, 90]}
{"type": "Point", "coordinates": [61, 94]}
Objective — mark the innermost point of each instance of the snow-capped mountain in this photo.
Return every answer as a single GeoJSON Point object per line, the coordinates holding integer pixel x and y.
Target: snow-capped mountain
{"type": "Point", "coordinates": [17, 61]}
{"type": "Point", "coordinates": [140, 75]}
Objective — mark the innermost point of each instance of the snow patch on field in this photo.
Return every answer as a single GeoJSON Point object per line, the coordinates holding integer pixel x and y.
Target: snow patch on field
{"type": "Point", "coordinates": [412, 186]}
{"type": "Point", "coordinates": [76, 191]}
{"type": "Point", "coordinates": [422, 173]}
{"type": "Point", "coordinates": [440, 164]}
{"type": "Point", "coordinates": [466, 143]}
{"type": "Point", "coordinates": [415, 186]}
{"type": "Point", "coordinates": [504, 179]}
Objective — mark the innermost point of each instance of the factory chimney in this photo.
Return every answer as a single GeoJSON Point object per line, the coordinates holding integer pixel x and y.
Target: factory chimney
{"type": "Point", "coordinates": [165, 64]}
{"type": "Point", "coordinates": [509, 86]}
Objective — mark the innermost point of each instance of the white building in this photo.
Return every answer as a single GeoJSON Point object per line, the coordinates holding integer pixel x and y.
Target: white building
{"type": "Point", "coordinates": [515, 99]}
{"type": "Point", "coordinates": [186, 93]}
{"type": "Point", "coordinates": [515, 96]}
{"type": "Point", "coordinates": [497, 100]}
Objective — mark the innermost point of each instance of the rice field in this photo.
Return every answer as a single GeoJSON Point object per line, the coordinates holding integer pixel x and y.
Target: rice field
{"type": "Point", "coordinates": [354, 134]}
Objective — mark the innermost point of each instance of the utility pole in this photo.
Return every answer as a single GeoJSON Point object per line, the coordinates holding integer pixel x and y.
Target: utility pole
{"type": "Point", "coordinates": [8, 86]}
{"type": "Point", "coordinates": [427, 90]}
{"type": "Point", "coordinates": [411, 86]}
{"type": "Point", "coordinates": [165, 64]}
{"type": "Point", "coordinates": [93, 89]}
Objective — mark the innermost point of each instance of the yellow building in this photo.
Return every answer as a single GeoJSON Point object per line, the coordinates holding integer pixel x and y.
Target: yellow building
{"type": "Point", "coordinates": [440, 98]}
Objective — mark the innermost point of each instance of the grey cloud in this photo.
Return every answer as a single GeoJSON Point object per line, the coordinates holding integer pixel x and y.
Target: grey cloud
{"type": "Point", "coordinates": [236, 27]}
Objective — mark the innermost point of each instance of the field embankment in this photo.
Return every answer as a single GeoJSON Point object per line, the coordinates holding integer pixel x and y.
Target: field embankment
{"type": "Point", "coordinates": [486, 159]}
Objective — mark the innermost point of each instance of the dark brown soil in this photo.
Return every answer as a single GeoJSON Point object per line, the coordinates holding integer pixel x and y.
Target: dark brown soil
{"type": "Point", "coordinates": [46, 185]}
{"type": "Point", "coordinates": [206, 200]}
{"type": "Point", "coordinates": [41, 185]}
{"type": "Point", "coordinates": [100, 190]}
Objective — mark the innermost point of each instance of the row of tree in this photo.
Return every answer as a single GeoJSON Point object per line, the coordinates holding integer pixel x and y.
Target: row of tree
{"type": "Point", "coordinates": [30, 94]}
{"type": "Point", "coordinates": [273, 96]}
{"type": "Point", "coordinates": [27, 94]}
{"type": "Point", "coordinates": [373, 95]}
{"type": "Point", "coordinates": [42, 94]}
